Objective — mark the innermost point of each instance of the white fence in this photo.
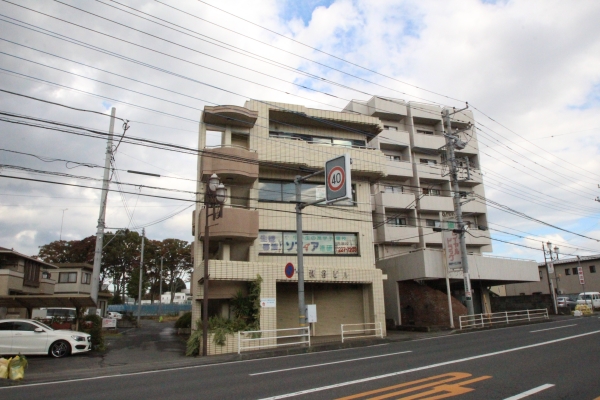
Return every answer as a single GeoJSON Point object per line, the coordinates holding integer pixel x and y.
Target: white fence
{"type": "Point", "coordinates": [506, 317]}
{"type": "Point", "coordinates": [256, 340]}
{"type": "Point", "coordinates": [354, 331]}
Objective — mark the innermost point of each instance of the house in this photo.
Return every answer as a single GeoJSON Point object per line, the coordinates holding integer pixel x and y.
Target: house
{"type": "Point", "coordinates": [565, 277]}
{"type": "Point", "coordinates": [27, 283]}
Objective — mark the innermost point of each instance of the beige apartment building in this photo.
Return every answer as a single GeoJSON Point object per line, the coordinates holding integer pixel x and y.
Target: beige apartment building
{"type": "Point", "coordinates": [381, 246]}
{"type": "Point", "coordinates": [414, 200]}
{"type": "Point", "coordinates": [263, 147]}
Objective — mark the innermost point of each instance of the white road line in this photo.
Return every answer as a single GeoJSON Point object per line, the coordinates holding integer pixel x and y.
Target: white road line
{"type": "Point", "coordinates": [530, 392]}
{"type": "Point", "coordinates": [329, 363]}
{"type": "Point", "coordinates": [460, 360]}
{"type": "Point", "coordinates": [549, 329]}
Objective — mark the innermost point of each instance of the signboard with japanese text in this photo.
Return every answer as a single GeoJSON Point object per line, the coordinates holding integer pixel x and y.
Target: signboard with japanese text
{"type": "Point", "coordinates": [451, 244]}
{"type": "Point", "coordinates": [581, 277]}
{"type": "Point", "coordinates": [268, 302]}
{"type": "Point", "coordinates": [109, 323]}
{"type": "Point", "coordinates": [323, 243]}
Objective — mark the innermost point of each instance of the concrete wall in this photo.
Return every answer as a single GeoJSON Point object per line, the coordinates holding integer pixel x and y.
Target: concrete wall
{"type": "Point", "coordinates": [518, 303]}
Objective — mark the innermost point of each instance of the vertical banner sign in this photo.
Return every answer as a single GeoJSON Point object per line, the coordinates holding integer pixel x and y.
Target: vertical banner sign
{"type": "Point", "coordinates": [468, 293]}
{"type": "Point", "coordinates": [451, 244]}
{"type": "Point", "coordinates": [550, 268]}
{"type": "Point", "coordinates": [338, 185]}
{"type": "Point", "coordinates": [581, 278]}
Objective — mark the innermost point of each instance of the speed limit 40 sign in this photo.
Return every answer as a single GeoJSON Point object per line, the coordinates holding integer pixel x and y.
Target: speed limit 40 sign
{"type": "Point", "coordinates": [338, 185]}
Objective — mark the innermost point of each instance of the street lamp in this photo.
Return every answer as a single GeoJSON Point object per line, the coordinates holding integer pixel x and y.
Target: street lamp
{"type": "Point", "coordinates": [214, 197]}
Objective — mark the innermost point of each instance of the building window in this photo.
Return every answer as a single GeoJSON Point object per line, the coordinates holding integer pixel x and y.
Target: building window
{"type": "Point", "coordinates": [390, 128]}
{"type": "Point", "coordinates": [32, 274]}
{"type": "Point", "coordinates": [567, 271]}
{"type": "Point", "coordinates": [86, 278]}
{"type": "Point", "coordinates": [328, 141]}
{"type": "Point", "coordinates": [574, 271]}
{"type": "Point", "coordinates": [393, 157]}
{"type": "Point", "coordinates": [314, 243]}
{"type": "Point", "coordinates": [431, 192]}
{"type": "Point", "coordinates": [427, 161]}
{"type": "Point", "coordinates": [425, 132]}
{"type": "Point", "coordinates": [396, 221]}
{"type": "Point", "coordinates": [285, 192]}
{"type": "Point", "coordinates": [541, 275]}
{"type": "Point", "coordinates": [394, 189]}
{"type": "Point", "coordinates": [593, 269]}
{"type": "Point", "coordinates": [67, 277]}
{"type": "Point", "coordinates": [432, 223]}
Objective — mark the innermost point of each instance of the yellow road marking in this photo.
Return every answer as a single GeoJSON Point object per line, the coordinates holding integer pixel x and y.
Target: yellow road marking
{"type": "Point", "coordinates": [439, 388]}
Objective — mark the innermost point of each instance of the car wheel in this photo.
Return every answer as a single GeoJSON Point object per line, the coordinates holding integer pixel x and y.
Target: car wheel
{"type": "Point", "coordinates": [59, 349]}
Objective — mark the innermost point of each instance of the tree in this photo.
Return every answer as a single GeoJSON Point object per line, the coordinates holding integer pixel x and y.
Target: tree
{"type": "Point", "coordinates": [177, 261]}
{"type": "Point", "coordinates": [72, 251]}
{"type": "Point", "coordinates": [134, 282]}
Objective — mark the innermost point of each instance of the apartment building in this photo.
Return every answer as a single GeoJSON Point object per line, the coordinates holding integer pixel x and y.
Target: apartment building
{"type": "Point", "coordinates": [565, 278]}
{"type": "Point", "coordinates": [414, 199]}
{"type": "Point", "coordinates": [264, 145]}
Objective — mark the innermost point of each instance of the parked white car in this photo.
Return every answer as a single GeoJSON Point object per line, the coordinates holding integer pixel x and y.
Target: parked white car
{"type": "Point", "coordinates": [27, 336]}
{"type": "Point", "coordinates": [588, 298]}
{"type": "Point", "coordinates": [114, 315]}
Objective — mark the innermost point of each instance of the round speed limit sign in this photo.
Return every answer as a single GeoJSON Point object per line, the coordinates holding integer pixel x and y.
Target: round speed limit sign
{"type": "Point", "coordinates": [336, 179]}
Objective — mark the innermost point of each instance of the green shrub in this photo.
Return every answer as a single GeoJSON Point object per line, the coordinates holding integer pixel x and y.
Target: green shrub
{"type": "Point", "coordinates": [93, 325]}
{"type": "Point", "coordinates": [185, 321]}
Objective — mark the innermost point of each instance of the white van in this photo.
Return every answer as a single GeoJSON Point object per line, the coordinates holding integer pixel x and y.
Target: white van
{"type": "Point", "coordinates": [585, 297]}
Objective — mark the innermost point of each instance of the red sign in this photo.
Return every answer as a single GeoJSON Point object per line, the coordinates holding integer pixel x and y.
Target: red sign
{"type": "Point", "coordinates": [336, 179]}
{"type": "Point", "coordinates": [581, 278]}
{"type": "Point", "coordinates": [289, 270]}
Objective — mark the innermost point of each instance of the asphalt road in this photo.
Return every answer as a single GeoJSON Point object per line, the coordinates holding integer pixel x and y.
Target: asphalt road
{"type": "Point", "coordinates": [558, 360]}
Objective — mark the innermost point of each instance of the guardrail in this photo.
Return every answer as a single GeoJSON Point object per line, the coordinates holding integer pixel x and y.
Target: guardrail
{"type": "Point", "coordinates": [361, 333]}
{"type": "Point", "coordinates": [256, 338]}
{"type": "Point", "coordinates": [506, 317]}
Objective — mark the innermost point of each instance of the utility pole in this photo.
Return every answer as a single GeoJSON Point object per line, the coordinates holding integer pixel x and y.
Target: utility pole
{"type": "Point", "coordinates": [61, 223]}
{"type": "Point", "coordinates": [141, 277]}
{"type": "Point", "coordinates": [453, 141]}
{"type": "Point", "coordinates": [100, 228]}
{"type": "Point", "coordinates": [550, 285]}
{"type": "Point", "coordinates": [160, 289]}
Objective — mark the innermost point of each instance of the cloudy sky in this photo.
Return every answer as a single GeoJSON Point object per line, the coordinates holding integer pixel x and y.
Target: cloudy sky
{"type": "Point", "coordinates": [530, 69]}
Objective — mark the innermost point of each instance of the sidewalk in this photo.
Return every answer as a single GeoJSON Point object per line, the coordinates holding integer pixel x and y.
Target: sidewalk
{"type": "Point", "coordinates": [155, 346]}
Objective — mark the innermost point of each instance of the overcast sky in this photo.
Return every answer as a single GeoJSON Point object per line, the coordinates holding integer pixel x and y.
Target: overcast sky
{"type": "Point", "coordinates": [530, 69]}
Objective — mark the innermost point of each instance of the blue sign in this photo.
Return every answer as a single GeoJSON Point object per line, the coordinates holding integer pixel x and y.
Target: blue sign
{"type": "Point", "coordinates": [289, 270]}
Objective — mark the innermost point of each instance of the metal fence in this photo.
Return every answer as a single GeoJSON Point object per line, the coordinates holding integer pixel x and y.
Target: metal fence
{"type": "Point", "coordinates": [150, 309]}
{"type": "Point", "coordinates": [506, 317]}
{"type": "Point", "coordinates": [355, 331]}
{"type": "Point", "coordinates": [255, 340]}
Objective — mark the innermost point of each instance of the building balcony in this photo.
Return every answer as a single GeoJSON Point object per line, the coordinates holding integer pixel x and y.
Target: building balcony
{"type": "Point", "coordinates": [432, 237]}
{"type": "Point", "coordinates": [397, 234]}
{"type": "Point", "coordinates": [235, 224]}
{"type": "Point", "coordinates": [423, 111]}
{"type": "Point", "coordinates": [10, 280]}
{"type": "Point", "coordinates": [475, 177]}
{"type": "Point", "coordinates": [389, 109]}
{"type": "Point", "coordinates": [474, 207]}
{"type": "Point", "coordinates": [436, 203]}
{"type": "Point", "coordinates": [429, 142]}
{"type": "Point", "coordinates": [399, 168]}
{"type": "Point", "coordinates": [366, 162]}
{"type": "Point", "coordinates": [241, 165]}
{"type": "Point", "coordinates": [395, 200]}
{"type": "Point", "coordinates": [391, 139]}
{"type": "Point", "coordinates": [433, 172]}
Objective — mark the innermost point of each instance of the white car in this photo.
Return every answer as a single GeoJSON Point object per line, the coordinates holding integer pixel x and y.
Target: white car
{"type": "Point", "coordinates": [114, 315]}
{"type": "Point", "coordinates": [27, 336]}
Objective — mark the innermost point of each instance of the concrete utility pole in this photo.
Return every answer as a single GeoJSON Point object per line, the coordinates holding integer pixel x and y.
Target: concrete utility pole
{"type": "Point", "coordinates": [160, 289]}
{"type": "Point", "coordinates": [452, 141]}
{"type": "Point", "coordinates": [141, 277]}
{"type": "Point", "coordinates": [103, 198]}
{"type": "Point", "coordinates": [550, 285]}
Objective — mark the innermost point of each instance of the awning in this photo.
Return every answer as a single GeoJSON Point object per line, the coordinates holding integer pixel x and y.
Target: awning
{"type": "Point", "coordinates": [46, 301]}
